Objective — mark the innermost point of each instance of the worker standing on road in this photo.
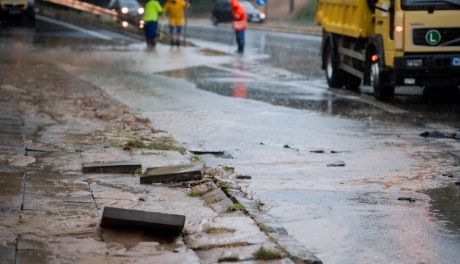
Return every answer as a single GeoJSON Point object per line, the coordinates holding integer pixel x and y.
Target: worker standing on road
{"type": "Point", "coordinates": [151, 12]}
{"type": "Point", "coordinates": [175, 9]}
{"type": "Point", "coordinates": [240, 23]}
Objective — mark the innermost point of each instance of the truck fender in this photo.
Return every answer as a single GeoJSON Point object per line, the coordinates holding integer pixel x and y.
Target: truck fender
{"type": "Point", "coordinates": [328, 39]}
{"type": "Point", "coordinates": [375, 44]}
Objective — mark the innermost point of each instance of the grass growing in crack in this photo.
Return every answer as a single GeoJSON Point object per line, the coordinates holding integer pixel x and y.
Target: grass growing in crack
{"type": "Point", "coordinates": [196, 158]}
{"type": "Point", "coordinates": [196, 193]}
{"type": "Point", "coordinates": [231, 245]}
{"type": "Point", "coordinates": [234, 207]}
{"type": "Point", "coordinates": [134, 143]}
{"type": "Point", "coordinates": [215, 230]}
{"type": "Point", "coordinates": [114, 143]}
{"type": "Point", "coordinates": [163, 143]}
{"type": "Point", "coordinates": [211, 173]}
{"type": "Point", "coordinates": [79, 148]}
{"type": "Point", "coordinates": [259, 205]}
{"type": "Point", "coordinates": [229, 169]}
{"type": "Point", "coordinates": [266, 254]}
{"type": "Point", "coordinates": [138, 171]}
{"type": "Point", "coordinates": [225, 185]}
{"type": "Point", "coordinates": [212, 200]}
{"type": "Point", "coordinates": [166, 143]}
{"type": "Point", "coordinates": [229, 259]}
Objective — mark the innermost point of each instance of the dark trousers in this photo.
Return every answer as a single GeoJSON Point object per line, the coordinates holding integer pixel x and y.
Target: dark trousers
{"type": "Point", "coordinates": [151, 30]}
{"type": "Point", "coordinates": [240, 40]}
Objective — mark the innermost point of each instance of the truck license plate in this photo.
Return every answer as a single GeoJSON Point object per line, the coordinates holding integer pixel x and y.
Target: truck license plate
{"type": "Point", "coordinates": [455, 61]}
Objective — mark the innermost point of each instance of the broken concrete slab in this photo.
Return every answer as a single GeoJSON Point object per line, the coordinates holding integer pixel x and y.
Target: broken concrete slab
{"type": "Point", "coordinates": [243, 177]}
{"type": "Point", "coordinates": [409, 199]}
{"type": "Point", "coordinates": [219, 154]}
{"type": "Point", "coordinates": [338, 163]}
{"type": "Point", "coordinates": [158, 223]}
{"type": "Point", "coordinates": [289, 147]}
{"type": "Point", "coordinates": [437, 134]}
{"type": "Point", "coordinates": [112, 167]}
{"type": "Point", "coordinates": [177, 173]}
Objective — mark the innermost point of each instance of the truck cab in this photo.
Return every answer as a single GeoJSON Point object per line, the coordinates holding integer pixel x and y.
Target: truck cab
{"type": "Point", "coordinates": [388, 43]}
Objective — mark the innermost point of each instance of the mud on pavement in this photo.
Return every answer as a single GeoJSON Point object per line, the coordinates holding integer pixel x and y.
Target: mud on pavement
{"type": "Point", "coordinates": [51, 123]}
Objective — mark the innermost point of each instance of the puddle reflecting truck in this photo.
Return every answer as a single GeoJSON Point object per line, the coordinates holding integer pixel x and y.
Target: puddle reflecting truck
{"type": "Point", "coordinates": [388, 43]}
{"type": "Point", "coordinates": [18, 9]}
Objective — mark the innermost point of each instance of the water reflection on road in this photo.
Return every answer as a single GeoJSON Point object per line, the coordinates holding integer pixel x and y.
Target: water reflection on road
{"type": "Point", "coordinates": [345, 215]}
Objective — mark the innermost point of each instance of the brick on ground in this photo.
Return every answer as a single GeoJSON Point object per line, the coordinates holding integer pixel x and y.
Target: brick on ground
{"type": "Point", "coordinates": [112, 167]}
{"type": "Point", "coordinates": [158, 223]}
{"type": "Point", "coordinates": [177, 173]}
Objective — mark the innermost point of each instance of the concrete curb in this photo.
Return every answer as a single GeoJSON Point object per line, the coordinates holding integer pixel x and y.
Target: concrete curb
{"type": "Point", "coordinates": [294, 249]}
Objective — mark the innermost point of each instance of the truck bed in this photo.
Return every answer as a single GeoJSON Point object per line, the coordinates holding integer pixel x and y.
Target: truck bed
{"type": "Point", "coordinates": [345, 17]}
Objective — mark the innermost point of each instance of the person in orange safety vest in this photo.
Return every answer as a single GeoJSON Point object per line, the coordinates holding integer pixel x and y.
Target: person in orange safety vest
{"type": "Point", "coordinates": [240, 23]}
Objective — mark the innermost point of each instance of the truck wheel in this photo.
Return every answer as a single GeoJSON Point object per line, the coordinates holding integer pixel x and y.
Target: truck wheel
{"type": "Point", "coordinates": [334, 75]}
{"type": "Point", "coordinates": [382, 91]}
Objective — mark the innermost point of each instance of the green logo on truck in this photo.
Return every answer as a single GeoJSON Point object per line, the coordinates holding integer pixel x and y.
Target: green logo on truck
{"type": "Point", "coordinates": [433, 37]}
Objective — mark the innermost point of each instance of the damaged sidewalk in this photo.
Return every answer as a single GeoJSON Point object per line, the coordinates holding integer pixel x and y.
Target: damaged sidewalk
{"type": "Point", "coordinates": [56, 129]}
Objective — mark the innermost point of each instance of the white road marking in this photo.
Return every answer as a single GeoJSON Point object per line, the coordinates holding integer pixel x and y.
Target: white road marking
{"type": "Point", "coordinates": [73, 27]}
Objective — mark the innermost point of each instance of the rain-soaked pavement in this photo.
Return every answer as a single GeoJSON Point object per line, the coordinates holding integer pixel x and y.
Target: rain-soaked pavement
{"type": "Point", "coordinates": [345, 214]}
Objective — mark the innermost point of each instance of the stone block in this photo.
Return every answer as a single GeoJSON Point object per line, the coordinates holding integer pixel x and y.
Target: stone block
{"type": "Point", "coordinates": [158, 223]}
{"type": "Point", "coordinates": [112, 167]}
{"type": "Point", "coordinates": [178, 173]}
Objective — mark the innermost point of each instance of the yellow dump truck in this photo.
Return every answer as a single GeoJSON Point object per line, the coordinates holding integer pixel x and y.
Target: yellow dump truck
{"type": "Point", "coordinates": [14, 9]}
{"type": "Point", "coordinates": [388, 43]}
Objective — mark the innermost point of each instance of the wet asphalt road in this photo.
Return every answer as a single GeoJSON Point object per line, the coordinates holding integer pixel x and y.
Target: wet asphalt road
{"type": "Point", "coordinates": [344, 215]}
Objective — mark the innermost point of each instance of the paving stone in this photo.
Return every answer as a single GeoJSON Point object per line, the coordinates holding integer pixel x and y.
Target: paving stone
{"type": "Point", "coordinates": [178, 173]}
{"type": "Point", "coordinates": [112, 167]}
{"type": "Point", "coordinates": [217, 200]}
{"type": "Point", "coordinates": [246, 232]}
{"type": "Point", "coordinates": [32, 256]}
{"type": "Point", "coordinates": [11, 192]}
{"type": "Point", "coordinates": [7, 253]}
{"type": "Point", "coordinates": [159, 223]}
{"type": "Point", "coordinates": [8, 168]}
{"type": "Point", "coordinates": [455, 154]}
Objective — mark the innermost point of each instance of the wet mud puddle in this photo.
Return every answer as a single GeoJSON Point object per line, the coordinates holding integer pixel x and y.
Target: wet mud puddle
{"type": "Point", "coordinates": [445, 207]}
{"type": "Point", "coordinates": [292, 93]}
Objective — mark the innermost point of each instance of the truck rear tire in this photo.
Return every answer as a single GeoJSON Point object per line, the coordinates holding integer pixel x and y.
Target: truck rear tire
{"type": "Point", "coordinates": [334, 76]}
{"type": "Point", "coordinates": [382, 91]}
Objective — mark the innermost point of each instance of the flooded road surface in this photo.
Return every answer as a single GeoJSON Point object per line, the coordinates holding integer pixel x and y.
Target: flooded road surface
{"type": "Point", "coordinates": [301, 54]}
{"type": "Point", "coordinates": [283, 127]}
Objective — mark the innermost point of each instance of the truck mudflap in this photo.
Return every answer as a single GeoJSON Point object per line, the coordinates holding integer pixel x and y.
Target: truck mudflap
{"type": "Point", "coordinates": [428, 69]}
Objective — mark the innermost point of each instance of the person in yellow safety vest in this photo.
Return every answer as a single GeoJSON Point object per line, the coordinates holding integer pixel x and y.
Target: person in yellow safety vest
{"type": "Point", "coordinates": [175, 9]}
{"type": "Point", "coordinates": [152, 10]}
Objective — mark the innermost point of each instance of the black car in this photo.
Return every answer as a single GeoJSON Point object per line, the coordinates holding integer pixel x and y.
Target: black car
{"type": "Point", "coordinates": [129, 11]}
{"type": "Point", "coordinates": [222, 12]}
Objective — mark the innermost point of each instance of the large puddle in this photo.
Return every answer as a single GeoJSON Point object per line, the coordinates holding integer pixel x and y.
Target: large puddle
{"type": "Point", "coordinates": [445, 207]}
